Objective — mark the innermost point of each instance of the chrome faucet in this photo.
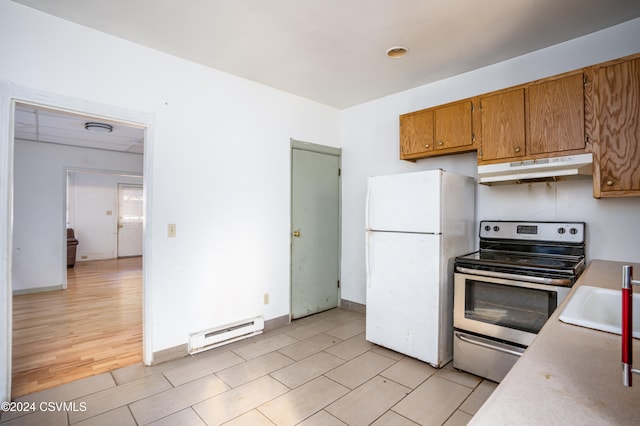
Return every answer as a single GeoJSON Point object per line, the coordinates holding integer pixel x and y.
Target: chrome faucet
{"type": "Point", "coordinates": [627, 324]}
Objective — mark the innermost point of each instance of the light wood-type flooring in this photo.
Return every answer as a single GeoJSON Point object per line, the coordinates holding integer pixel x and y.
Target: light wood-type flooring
{"type": "Point", "coordinates": [318, 370]}
{"type": "Point", "coordinates": [92, 327]}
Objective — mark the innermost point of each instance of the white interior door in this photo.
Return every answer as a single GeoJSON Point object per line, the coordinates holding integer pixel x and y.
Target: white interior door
{"type": "Point", "coordinates": [315, 238]}
{"type": "Point", "coordinates": [130, 216]}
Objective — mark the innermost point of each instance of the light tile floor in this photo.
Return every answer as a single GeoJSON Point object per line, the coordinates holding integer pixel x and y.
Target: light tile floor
{"type": "Point", "coordinates": [318, 370]}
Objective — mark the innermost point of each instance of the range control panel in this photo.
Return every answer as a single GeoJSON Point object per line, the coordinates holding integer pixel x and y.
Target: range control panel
{"type": "Point", "coordinates": [567, 232]}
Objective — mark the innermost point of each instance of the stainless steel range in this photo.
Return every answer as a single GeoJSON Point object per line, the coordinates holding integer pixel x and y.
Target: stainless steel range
{"type": "Point", "coordinates": [506, 291]}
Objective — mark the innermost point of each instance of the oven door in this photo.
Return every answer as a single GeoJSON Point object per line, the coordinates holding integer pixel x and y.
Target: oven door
{"type": "Point", "coordinates": [509, 310]}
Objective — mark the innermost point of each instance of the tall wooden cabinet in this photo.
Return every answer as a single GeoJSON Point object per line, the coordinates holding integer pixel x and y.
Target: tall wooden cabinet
{"type": "Point", "coordinates": [617, 128]}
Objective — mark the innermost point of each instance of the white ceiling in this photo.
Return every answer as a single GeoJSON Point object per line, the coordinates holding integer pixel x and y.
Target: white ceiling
{"type": "Point", "coordinates": [333, 51]}
{"type": "Point", "coordinates": [43, 125]}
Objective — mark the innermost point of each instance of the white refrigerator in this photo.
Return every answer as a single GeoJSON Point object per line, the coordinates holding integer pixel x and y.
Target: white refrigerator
{"type": "Point", "coordinates": [417, 223]}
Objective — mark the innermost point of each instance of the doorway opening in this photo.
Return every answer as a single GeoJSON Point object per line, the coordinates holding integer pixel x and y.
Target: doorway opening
{"type": "Point", "coordinates": [51, 148]}
{"type": "Point", "coordinates": [105, 212]}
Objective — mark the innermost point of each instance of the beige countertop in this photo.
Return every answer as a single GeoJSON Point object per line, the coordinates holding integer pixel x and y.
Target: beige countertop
{"type": "Point", "coordinates": [570, 375]}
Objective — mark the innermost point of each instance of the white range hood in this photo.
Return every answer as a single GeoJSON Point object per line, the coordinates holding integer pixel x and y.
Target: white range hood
{"type": "Point", "coordinates": [540, 169]}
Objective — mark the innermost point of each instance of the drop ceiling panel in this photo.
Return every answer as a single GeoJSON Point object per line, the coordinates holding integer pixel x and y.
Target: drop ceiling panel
{"type": "Point", "coordinates": [44, 125]}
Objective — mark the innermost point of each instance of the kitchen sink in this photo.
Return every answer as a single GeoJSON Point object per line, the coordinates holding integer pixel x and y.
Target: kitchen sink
{"type": "Point", "coordinates": [599, 309]}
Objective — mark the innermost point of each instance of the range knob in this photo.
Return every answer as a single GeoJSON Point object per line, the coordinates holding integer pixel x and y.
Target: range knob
{"type": "Point", "coordinates": [561, 231]}
{"type": "Point", "coordinates": [487, 228]}
{"type": "Point", "coordinates": [573, 231]}
{"type": "Point", "coordinates": [496, 228]}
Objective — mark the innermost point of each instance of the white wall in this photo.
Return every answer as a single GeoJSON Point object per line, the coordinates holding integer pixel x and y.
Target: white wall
{"type": "Point", "coordinates": [220, 168]}
{"type": "Point", "coordinates": [39, 236]}
{"type": "Point", "coordinates": [93, 211]}
{"type": "Point", "coordinates": [370, 147]}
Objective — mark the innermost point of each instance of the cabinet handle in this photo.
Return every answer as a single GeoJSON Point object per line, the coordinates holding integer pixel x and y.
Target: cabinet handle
{"type": "Point", "coordinates": [609, 183]}
{"type": "Point", "coordinates": [440, 143]}
{"type": "Point", "coordinates": [426, 146]}
{"type": "Point", "coordinates": [517, 149]}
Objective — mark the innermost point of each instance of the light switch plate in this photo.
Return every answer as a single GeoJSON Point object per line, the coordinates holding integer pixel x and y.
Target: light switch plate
{"type": "Point", "coordinates": [171, 230]}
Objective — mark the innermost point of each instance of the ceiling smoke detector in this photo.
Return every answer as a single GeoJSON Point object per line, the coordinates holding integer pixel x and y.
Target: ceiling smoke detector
{"type": "Point", "coordinates": [98, 127]}
{"type": "Point", "coordinates": [397, 52]}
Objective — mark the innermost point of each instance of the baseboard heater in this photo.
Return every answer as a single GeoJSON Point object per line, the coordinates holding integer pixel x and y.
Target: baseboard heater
{"type": "Point", "coordinates": [218, 336]}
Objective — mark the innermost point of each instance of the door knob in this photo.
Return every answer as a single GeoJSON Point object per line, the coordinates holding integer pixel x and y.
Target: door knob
{"type": "Point", "coordinates": [296, 233]}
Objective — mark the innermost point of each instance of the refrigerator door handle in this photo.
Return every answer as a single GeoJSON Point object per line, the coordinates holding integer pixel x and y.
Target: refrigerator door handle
{"type": "Point", "coordinates": [367, 262]}
{"type": "Point", "coordinates": [367, 220]}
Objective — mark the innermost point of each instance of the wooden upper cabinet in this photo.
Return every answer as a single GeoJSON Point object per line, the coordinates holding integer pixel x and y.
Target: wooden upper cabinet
{"type": "Point", "coordinates": [446, 129]}
{"type": "Point", "coordinates": [416, 134]}
{"type": "Point", "coordinates": [503, 125]}
{"type": "Point", "coordinates": [453, 127]}
{"type": "Point", "coordinates": [617, 120]}
{"type": "Point", "coordinates": [556, 115]}
{"type": "Point", "coordinates": [535, 120]}
{"type": "Point", "coordinates": [594, 109]}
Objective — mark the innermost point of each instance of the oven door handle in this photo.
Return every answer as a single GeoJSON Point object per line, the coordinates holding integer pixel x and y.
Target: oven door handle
{"type": "Point", "coordinates": [469, 339]}
{"type": "Point", "coordinates": [505, 275]}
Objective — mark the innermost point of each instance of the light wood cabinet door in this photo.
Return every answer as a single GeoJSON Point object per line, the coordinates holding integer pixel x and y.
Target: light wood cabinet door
{"type": "Point", "coordinates": [503, 125]}
{"type": "Point", "coordinates": [556, 115]}
{"type": "Point", "coordinates": [618, 122]}
{"type": "Point", "coordinates": [416, 134]}
{"type": "Point", "coordinates": [453, 127]}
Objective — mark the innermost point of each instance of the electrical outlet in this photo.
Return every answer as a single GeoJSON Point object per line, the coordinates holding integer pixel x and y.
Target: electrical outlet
{"type": "Point", "coordinates": [266, 298]}
{"type": "Point", "coordinates": [171, 230]}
